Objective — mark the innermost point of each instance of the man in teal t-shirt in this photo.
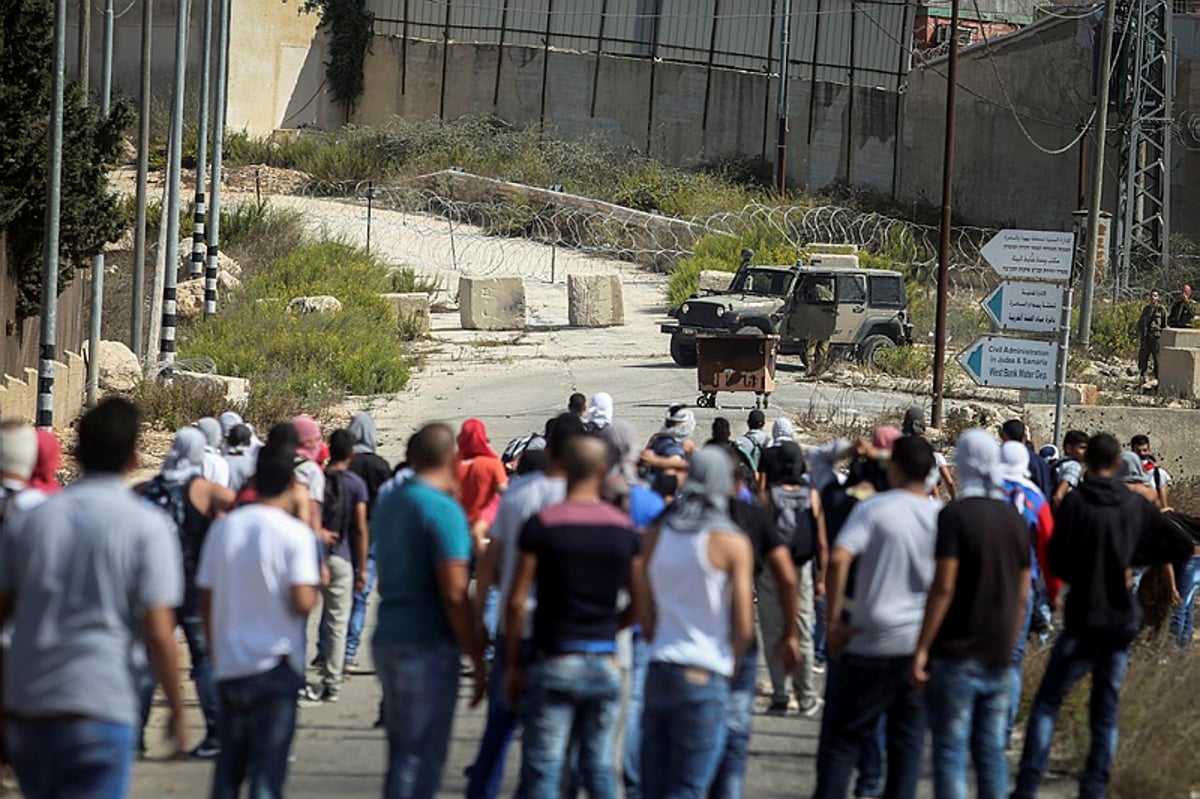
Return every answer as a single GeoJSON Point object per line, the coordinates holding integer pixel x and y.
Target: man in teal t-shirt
{"type": "Point", "coordinates": [422, 551]}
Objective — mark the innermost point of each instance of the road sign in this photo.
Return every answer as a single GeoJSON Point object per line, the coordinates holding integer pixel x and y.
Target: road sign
{"type": "Point", "coordinates": [1026, 307]}
{"type": "Point", "coordinates": [1031, 254]}
{"type": "Point", "coordinates": [1005, 362]}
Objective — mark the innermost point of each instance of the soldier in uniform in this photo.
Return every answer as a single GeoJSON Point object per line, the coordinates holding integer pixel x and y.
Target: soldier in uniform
{"type": "Point", "coordinates": [1183, 311]}
{"type": "Point", "coordinates": [816, 345]}
{"type": "Point", "coordinates": [1150, 327]}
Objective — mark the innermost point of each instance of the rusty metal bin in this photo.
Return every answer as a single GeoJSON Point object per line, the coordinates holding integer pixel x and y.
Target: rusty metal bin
{"type": "Point", "coordinates": [736, 363]}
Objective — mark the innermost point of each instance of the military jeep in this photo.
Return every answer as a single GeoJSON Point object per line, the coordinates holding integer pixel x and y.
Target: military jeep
{"type": "Point", "coordinates": [859, 311]}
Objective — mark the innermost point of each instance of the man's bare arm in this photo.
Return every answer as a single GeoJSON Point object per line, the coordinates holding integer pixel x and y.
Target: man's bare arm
{"type": "Point", "coordinates": [941, 594]}
{"type": "Point", "coordinates": [158, 632]}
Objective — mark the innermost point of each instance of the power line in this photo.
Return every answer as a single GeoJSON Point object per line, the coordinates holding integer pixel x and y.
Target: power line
{"type": "Point", "coordinates": [987, 46]}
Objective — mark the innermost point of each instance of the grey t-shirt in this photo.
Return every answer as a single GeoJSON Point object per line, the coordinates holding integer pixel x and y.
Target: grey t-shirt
{"type": "Point", "coordinates": [894, 536]}
{"type": "Point", "coordinates": [520, 503]}
{"type": "Point", "coordinates": [82, 568]}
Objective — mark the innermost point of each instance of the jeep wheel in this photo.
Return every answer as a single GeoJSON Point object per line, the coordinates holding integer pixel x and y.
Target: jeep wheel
{"type": "Point", "coordinates": [683, 351]}
{"type": "Point", "coordinates": [872, 346]}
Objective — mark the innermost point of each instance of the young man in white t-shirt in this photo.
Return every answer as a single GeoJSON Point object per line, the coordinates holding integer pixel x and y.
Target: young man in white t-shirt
{"type": "Point", "coordinates": [258, 580]}
{"type": "Point", "coordinates": [891, 541]}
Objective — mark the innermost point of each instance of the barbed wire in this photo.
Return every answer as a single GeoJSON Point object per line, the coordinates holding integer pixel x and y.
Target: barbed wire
{"type": "Point", "coordinates": [480, 227]}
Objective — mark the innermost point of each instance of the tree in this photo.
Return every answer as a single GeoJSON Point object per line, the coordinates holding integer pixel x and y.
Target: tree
{"type": "Point", "coordinates": [91, 214]}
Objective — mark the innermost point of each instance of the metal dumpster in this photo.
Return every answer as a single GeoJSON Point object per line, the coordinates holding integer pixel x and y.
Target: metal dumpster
{"type": "Point", "coordinates": [738, 363]}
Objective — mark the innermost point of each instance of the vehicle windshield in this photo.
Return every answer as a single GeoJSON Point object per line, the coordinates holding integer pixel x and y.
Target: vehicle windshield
{"type": "Point", "coordinates": [768, 282]}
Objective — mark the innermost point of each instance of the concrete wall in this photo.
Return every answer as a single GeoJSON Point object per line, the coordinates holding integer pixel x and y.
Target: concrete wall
{"type": "Point", "coordinates": [1001, 178]}
{"type": "Point", "coordinates": [275, 56]}
{"type": "Point", "coordinates": [405, 79]}
{"type": "Point", "coordinates": [1171, 431]}
{"type": "Point", "coordinates": [18, 394]}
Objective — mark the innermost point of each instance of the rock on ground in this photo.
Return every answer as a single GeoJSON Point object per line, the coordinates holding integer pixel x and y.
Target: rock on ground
{"type": "Point", "coordinates": [118, 368]}
{"type": "Point", "coordinates": [322, 303]}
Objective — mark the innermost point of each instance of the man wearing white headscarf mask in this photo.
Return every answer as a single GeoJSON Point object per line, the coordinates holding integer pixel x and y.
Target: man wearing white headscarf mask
{"type": "Point", "coordinates": [1035, 510]}
{"type": "Point", "coordinates": [976, 606]}
{"type": "Point", "coordinates": [193, 502]}
{"type": "Point", "coordinates": [698, 617]}
{"type": "Point", "coordinates": [215, 469]}
{"type": "Point", "coordinates": [666, 456]}
{"type": "Point", "coordinates": [600, 412]}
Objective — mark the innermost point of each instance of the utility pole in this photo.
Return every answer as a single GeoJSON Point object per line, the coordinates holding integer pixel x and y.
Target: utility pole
{"type": "Point", "coordinates": [93, 364]}
{"type": "Point", "coordinates": [84, 52]}
{"type": "Point", "coordinates": [214, 220]}
{"type": "Point", "coordinates": [939, 336]}
{"type": "Point", "coordinates": [1097, 188]}
{"type": "Point", "coordinates": [781, 112]}
{"type": "Point", "coordinates": [197, 264]}
{"type": "Point", "coordinates": [46, 350]}
{"type": "Point", "coordinates": [137, 316]}
{"type": "Point", "coordinates": [166, 348]}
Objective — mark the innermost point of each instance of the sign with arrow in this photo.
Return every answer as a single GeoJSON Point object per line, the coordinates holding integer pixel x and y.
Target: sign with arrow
{"type": "Point", "coordinates": [1005, 362]}
{"type": "Point", "coordinates": [1031, 254]}
{"type": "Point", "coordinates": [1026, 307]}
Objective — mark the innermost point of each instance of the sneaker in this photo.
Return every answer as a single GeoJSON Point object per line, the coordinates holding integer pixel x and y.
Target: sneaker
{"type": "Point", "coordinates": [819, 667]}
{"type": "Point", "coordinates": [352, 664]}
{"type": "Point", "coordinates": [317, 662]}
{"type": "Point", "coordinates": [778, 708]}
{"type": "Point", "coordinates": [315, 695]}
{"type": "Point", "coordinates": [207, 750]}
{"type": "Point", "coordinates": [810, 707]}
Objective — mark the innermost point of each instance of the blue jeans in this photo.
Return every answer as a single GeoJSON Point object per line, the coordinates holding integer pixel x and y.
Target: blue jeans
{"type": "Point", "coordinates": [1017, 667]}
{"type": "Point", "coordinates": [580, 692]}
{"type": "Point", "coordinates": [1104, 652]}
{"type": "Point", "coordinates": [967, 701]}
{"type": "Point", "coordinates": [683, 731]}
{"type": "Point", "coordinates": [631, 759]}
{"type": "Point", "coordinates": [731, 773]}
{"type": "Point", "coordinates": [1183, 618]}
{"type": "Point", "coordinates": [188, 617]}
{"type": "Point", "coordinates": [491, 621]}
{"type": "Point", "coordinates": [358, 612]}
{"type": "Point", "coordinates": [487, 772]}
{"type": "Point", "coordinates": [256, 725]}
{"type": "Point", "coordinates": [420, 691]}
{"type": "Point", "coordinates": [819, 630]}
{"type": "Point", "coordinates": [864, 690]}
{"type": "Point", "coordinates": [70, 758]}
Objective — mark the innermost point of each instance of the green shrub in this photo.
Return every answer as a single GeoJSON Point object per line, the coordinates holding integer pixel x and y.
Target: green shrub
{"type": "Point", "coordinates": [914, 363]}
{"type": "Point", "coordinates": [310, 356]}
{"type": "Point", "coordinates": [178, 404]}
{"type": "Point", "coordinates": [406, 280]}
{"type": "Point", "coordinates": [1114, 328]}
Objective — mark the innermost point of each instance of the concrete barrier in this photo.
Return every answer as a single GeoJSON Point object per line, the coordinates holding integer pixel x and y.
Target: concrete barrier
{"type": "Point", "coordinates": [595, 300]}
{"type": "Point", "coordinates": [1076, 394]}
{"type": "Point", "coordinates": [236, 389]}
{"type": "Point", "coordinates": [411, 311]}
{"type": "Point", "coordinates": [491, 303]}
{"type": "Point", "coordinates": [1179, 372]}
{"type": "Point", "coordinates": [1184, 338]}
{"type": "Point", "coordinates": [1172, 431]}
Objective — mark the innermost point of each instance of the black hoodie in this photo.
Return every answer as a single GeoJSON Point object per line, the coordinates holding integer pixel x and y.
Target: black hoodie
{"type": "Point", "coordinates": [1102, 530]}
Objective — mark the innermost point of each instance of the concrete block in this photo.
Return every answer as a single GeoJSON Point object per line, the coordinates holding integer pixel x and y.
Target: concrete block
{"type": "Point", "coordinates": [595, 300]}
{"type": "Point", "coordinates": [237, 389]}
{"type": "Point", "coordinates": [1179, 371]}
{"type": "Point", "coordinates": [411, 311]}
{"type": "Point", "coordinates": [1172, 431]}
{"type": "Point", "coordinates": [321, 303]}
{"type": "Point", "coordinates": [491, 303]}
{"type": "Point", "coordinates": [714, 281]}
{"type": "Point", "coordinates": [1181, 338]}
{"type": "Point", "coordinates": [1076, 394]}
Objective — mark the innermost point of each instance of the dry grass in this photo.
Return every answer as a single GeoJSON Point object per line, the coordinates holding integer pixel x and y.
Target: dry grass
{"type": "Point", "coordinates": [1159, 722]}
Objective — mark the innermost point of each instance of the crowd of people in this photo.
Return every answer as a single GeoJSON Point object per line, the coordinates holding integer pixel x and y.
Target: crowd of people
{"type": "Point", "coordinates": [611, 597]}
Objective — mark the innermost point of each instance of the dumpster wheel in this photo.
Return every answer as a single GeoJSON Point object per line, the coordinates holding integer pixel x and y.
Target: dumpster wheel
{"type": "Point", "coordinates": [706, 400]}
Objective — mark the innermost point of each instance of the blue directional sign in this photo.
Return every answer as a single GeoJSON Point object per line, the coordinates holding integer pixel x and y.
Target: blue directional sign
{"type": "Point", "coordinates": [1023, 307]}
{"type": "Point", "coordinates": [1005, 362]}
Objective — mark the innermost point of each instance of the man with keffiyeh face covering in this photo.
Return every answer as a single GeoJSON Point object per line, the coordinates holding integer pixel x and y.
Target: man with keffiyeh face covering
{"type": "Point", "coordinates": [976, 609]}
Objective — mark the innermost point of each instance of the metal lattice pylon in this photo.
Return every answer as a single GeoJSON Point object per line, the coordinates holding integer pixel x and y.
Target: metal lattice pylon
{"type": "Point", "coordinates": [1145, 108]}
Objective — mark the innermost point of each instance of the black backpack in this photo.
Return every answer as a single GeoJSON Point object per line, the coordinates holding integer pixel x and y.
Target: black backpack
{"type": "Point", "coordinates": [335, 509]}
{"type": "Point", "coordinates": [794, 518]}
